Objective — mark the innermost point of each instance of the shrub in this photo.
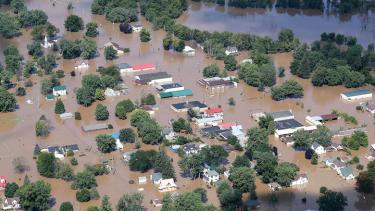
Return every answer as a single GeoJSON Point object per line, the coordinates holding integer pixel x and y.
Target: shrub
{"type": "Point", "coordinates": [74, 161]}
{"type": "Point", "coordinates": [66, 206]}
{"type": "Point", "coordinates": [21, 91]}
{"type": "Point", "coordinates": [83, 195]}
{"type": "Point", "coordinates": [101, 112]}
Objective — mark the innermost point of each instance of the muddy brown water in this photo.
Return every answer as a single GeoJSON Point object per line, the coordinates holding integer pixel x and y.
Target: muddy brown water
{"type": "Point", "coordinates": [17, 136]}
{"type": "Point", "coordinates": [307, 25]}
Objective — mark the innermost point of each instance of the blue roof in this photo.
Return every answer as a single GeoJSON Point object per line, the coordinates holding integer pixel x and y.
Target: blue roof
{"type": "Point", "coordinates": [157, 176]}
{"type": "Point", "coordinates": [171, 85]}
{"type": "Point", "coordinates": [116, 135]}
{"type": "Point", "coordinates": [123, 65]}
{"type": "Point", "coordinates": [357, 92]}
{"type": "Point", "coordinates": [346, 171]}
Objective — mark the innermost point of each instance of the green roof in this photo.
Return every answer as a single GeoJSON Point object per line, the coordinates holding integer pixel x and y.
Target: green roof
{"type": "Point", "coordinates": [50, 97]}
{"type": "Point", "coordinates": [179, 93]}
{"type": "Point", "coordinates": [59, 88]}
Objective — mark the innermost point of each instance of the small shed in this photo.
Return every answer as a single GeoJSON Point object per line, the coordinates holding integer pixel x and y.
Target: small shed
{"type": "Point", "coordinates": [142, 180]}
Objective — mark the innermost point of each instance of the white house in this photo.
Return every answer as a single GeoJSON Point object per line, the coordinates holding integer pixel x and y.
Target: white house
{"type": "Point", "coordinates": [356, 95]}
{"type": "Point", "coordinates": [3, 182]}
{"type": "Point", "coordinates": [231, 51]}
{"type": "Point", "coordinates": [46, 43]}
{"type": "Point", "coordinates": [119, 145]}
{"type": "Point", "coordinates": [111, 93]}
{"type": "Point", "coordinates": [210, 176]}
{"type": "Point", "coordinates": [189, 51]}
{"type": "Point", "coordinates": [282, 115]}
{"type": "Point", "coordinates": [126, 156]}
{"type": "Point", "coordinates": [136, 27]}
{"type": "Point", "coordinates": [287, 127]}
{"type": "Point", "coordinates": [300, 179]}
{"type": "Point", "coordinates": [167, 185]}
{"type": "Point", "coordinates": [59, 91]}
{"type": "Point", "coordinates": [80, 65]}
{"type": "Point", "coordinates": [370, 107]}
{"type": "Point", "coordinates": [318, 149]}
{"type": "Point", "coordinates": [142, 180]}
{"type": "Point", "coordinates": [11, 204]}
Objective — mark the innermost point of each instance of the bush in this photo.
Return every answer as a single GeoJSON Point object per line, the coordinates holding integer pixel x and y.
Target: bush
{"type": "Point", "coordinates": [101, 112]}
{"type": "Point", "coordinates": [66, 206]}
{"type": "Point", "coordinates": [74, 161]}
{"type": "Point", "coordinates": [46, 164]}
{"type": "Point", "coordinates": [211, 70]}
{"type": "Point", "coordinates": [70, 153]}
{"type": "Point", "coordinates": [94, 195]}
{"type": "Point", "coordinates": [314, 159]}
{"type": "Point", "coordinates": [145, 35]}
{"type": "Point", "coordinates": [21, 91]}
{"type": "Point", "coordinates": [83, 195]}
{"type": "Point", "coordinates": [59, 107]}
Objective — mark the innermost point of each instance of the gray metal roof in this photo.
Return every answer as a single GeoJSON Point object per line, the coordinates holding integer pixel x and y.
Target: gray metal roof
{"type": "Point", "coordinates": [357, 92]}
{"type": "Point", "coordinates": [281, 114]}
{"type": "Point", "coordinates": [287, 124]}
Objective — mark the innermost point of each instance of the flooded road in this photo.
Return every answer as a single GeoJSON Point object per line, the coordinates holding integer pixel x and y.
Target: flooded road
{"type": "Point", "coordinates": [307, 25]}
{"type": "Point", "coordinates": [17, 135]}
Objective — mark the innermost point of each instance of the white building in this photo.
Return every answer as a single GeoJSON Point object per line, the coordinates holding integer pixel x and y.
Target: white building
{"type": "Point", "coordinates": [11, 204]}
{"type": "Point", "coordinates": [81, 65]}
{"type": "Point", "coordinates": [287, 127]}
{"type": "Point", "coordinates": [231, 51]}
{"type": "Point", "coordinates": [167, 185]}
{"type": "Point", "coordinates": [142, 180]}
{"type": "Point", "coordinates": [124, 68]}
{"type": "Point", "coordinates": [111, 93]}
{"type": "Point", "coordinates": [300, 179]}
{"type": "Point", "coordinates": [189, 51]}
{"type": "Point", "coordinates": [59, 91]}
{"type": "Point", "coordinates": [136, 27]}
{"type": "Point", "coordinates": [282, 115]}
{"type": "Point", "coordinates": [46, 44]}
{"type": "Point", "coordinates": [210, 176]}
{"type": "Point", "coordinates": [356, 95]}
{"type": "Point", "coordinates": [318, 149]}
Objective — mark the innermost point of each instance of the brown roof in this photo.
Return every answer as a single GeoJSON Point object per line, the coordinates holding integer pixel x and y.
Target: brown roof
{"type": "Point", "coordinates": [327, 117]}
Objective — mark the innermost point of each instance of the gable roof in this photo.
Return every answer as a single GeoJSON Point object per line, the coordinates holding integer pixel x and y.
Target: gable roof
{"type": "Point", "coordinates": [357, 92]}
{"type": "Point", "coordinates": [214, 111]}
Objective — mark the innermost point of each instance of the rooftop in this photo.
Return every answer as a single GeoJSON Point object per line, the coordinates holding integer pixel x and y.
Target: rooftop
{"type": "Point", "coordinates": [143, 66]}
{"type": "Point", "coordinates": [122, 65]}
{"type": "Point", "coordinates": [346, 171]}
{"type": "Point", "coordinates": [287, 124]}
{"type": "Point", "coordinates": [93, 127]}
{"type": "Point", "coordinates": [189, 104]}
{"type": "Point", "coordinates": [281, 114]}
{"type": "Point", "coordinates": [357, 92]}
{"type": "Point", "coordinates": [59, 88]}
{"type": "Point", "coordinates": [145, 78]}
{"type": "Point", "coordinates": [214, 110]}
{"type": "Point", "coordinates": [170, 86]}
{"type": "Point", "coordinates": [179, 93]}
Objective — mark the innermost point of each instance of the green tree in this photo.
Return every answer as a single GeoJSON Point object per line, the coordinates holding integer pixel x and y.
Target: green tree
{"type": "Point", "coordinates": [332, 201]}
{"type": "Point", "coordinates": [365, 182]}
{"type": "Point", "coordinates": [241, 161]}
{"type": "Point", "coordinates": [211, 70]}
{"type": "Point", "coordinates": [242, 179]}
{"type": "Point", "coordinates": [145, 35]}
{"type": "Point", "coordinates": [181, 124]}
{"type": "Point", "coordinates": [100, 94]}
{"type": "Point", "coordinates": [229, 198]}
{"type": "Point", "coordinates": [142, 160]}
{"type": "Point", "coordinates": [266, 166]}
{"type": "Point", "coordinates": [35, 49]}
{"type": "Point", "coordinates": [66, 206]}
{"type": "Point", "coordinates": [257, 140]}
{"type": "Point", "coordinates": [150, 131]}
{"type": "Point", "coordinates": [267, 122]}
{"type": "Point", "coordinates": [285, 173]}
{"type": "Point", "coordinates": [7, 101]}
{"type": "Point", "coordinates": [106, 205]}
{"type": "Point", "coordinates": [84, 97]}
{"type": "Point", "coordinates": [130, 202]}
{"type": "Point", "coordinates": [105, 143]}
{"type": "Point", "coordinates": [214, 155]}
{"type": "Point", "coordinates": [110, 53]}
{"type": "Point", "coordinates": [73, 23]}
{"type": "Point", "coordinates": [192, 165]}
{"type": "Point", "coordinates": [123, 107]}
{"type": "Point", "coordinates": [127, 135]}
{"type": "Point", "coordinates": [121, 14]}
{"type": "Point", "coordinates": [322, 135]}
{"type": "Point", "coordinates": [85, 179]}
{"type": "Point", "coordinates": [83, 195]}
{"type": "Point", "coordinates": [9, 25]}
{"type": "Point", "coordinates": [88, 48]}
{"type": "Point", "coordinates": [289, 89]}
{"type": "Point", "coordinates": [41, 128]}
{"type": "Point", "coordinates": [35, 196]}
{"type": "Point", "coordinates": [64, 171]}
{"type": "Point", "coordinates": [92, 29]}
{"type": "Point", "coordinates": [164, 165]}
{"type": "Point", "coordinates": [101, 112]}
{"type": "Point", "coordinates": [302, 139]}
{"type": "Point", "coordinates": [59, 107]}
{"type": "Point", "coordinates": [230, 63]}
{"type": "Point", "coordinates": [138, 116]}
{"type": "Point", "coordinates": [148, 100]}
{"type": "Point", "coordinates": [46, 164]}
{"type": "Point", "coordinates": [203, 194]}
{"type": "Point", "coordinates": [11, 189]}
{"type": "Point", "coordinates": [70, 49]}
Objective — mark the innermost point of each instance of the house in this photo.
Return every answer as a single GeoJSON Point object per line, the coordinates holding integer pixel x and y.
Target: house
{"type": "Point", "coordinates": [183, 107]}
{"type": "Point", "coordinates": [282, 115]}
{"type": "Point", "coordinates": [236, 131]}
{"type": "Point", "coordinates": [300, 179]}
{"type": "Point", "coordinates": [217, 82]}
{"type": "Point", "coordinates": [111, 93]}
{"type": "Point", "coordinates": [72, 147]}
{"type": "Point", "coordinates": [335, 164]}
{"type": "Point", "coordinates": [157, 203]}
{"type": "Point", "coordinates": [46, 43]}
{"type": "Point", "coordinates": [143, 67]}
{"type": "Point", "coordinates": [346, 173]}
{"type": "Point", "coordinates": [170, 87]}
{"type": "Point", "coordinates": [371, 156]}
{"type": "Point", "coordinates": [142, 180]}
{"type": "Point", "coordinates": [372, 147]}
{"type": "Point", "coordinates": [287, 127]}
{"type": "Point", "coordinates": [3, 182]}
{"type": "Point", "coordinates": [328, 117]}
{"type": "Point", "coordinates": [209, 120]}
{"type": "Point", "coordinates": [274, 186]}
{"type": "Point", "coordinates": [214, 111]}
{"type": "Point", "coordinates": [318, 149]}
{"type": "Point", "coordinates": [189, 51]}
{"type": "Point", "coordinates": [55, 150]}
{"type": "Point", "coordinates": [231, 50]}
{"type": "Point", "coordinates": [136, 27]}
{"type": "Point", "coordinates": [190, 149]}
{"type": "Point", "coordinates": [167, 185]}
{"type": "Point", "coordinates": [149, 108]}
{"type": "Point", "coordinates": [210, 176]}
{"type": "Point", "coordinates": [124, 68]}
{"type": "Point", "coordinates": [119, 145]}
{"type": "Point", "coordinates": [80, 65]}
{"type": "Point", "coordinates": [176, 94]}
{"type": "Point", "coordinates": [126, 156]}
{"type": "Point", "coordinates": [94, 127]}
{"type": "Point", "coordinates": [156, 178]}
{"type": "Point", "coordinates": [335, 147]}
{"type": "Point", "coordinates": [212, 131]}
{"type": "Point", "coordinates": [153, 78]}
{"type": "Point", "coordinates": [59, 91]}
{"type": "Point", "coordinates": [356, 95]}
{"type": "Point", "coordinates": [11, 204]}
{"type": "Point", "coordinates": [169, 134]}
{"type": "Point", "coordinates": [370, 107]}
{"type": "Point", "coordinates": [115, 46]}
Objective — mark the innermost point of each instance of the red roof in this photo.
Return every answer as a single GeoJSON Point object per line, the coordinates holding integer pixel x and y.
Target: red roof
{"type": "Point", "coordinates": [143, 66]}
{"type": "Point", "coordinates": [214, 111]}
{"type": "Point", "coordinates": [227, 125]}
{"type": "Point", "coordinates": [3, 182]}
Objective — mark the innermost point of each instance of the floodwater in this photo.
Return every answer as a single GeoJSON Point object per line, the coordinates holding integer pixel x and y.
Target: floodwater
{"type": "Point", "coordinates": [17, 136]}
{"type": "Point", "coordinates": [307, 25]}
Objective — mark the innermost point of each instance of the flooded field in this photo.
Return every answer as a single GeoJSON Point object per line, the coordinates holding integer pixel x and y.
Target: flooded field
{"type": "Point", "coordinates": [307, 25]}
{"type": "Point", "coordinates": [17, 135]}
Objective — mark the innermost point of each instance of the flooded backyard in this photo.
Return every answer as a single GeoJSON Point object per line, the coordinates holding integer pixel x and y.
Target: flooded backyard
{"type": "Point", "coordinates": [17, 129]}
